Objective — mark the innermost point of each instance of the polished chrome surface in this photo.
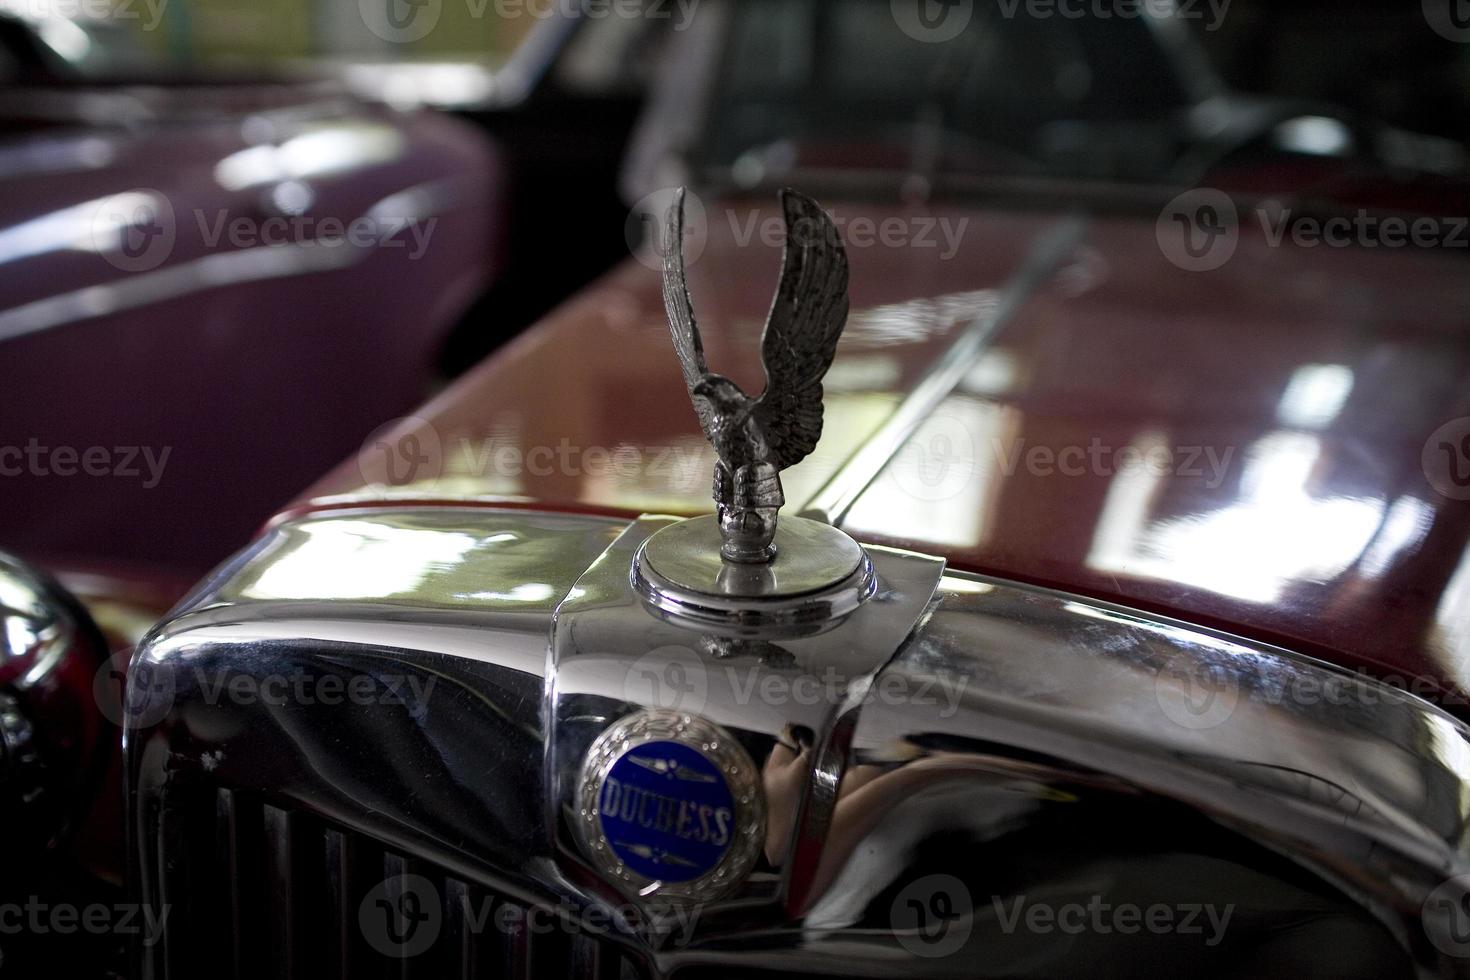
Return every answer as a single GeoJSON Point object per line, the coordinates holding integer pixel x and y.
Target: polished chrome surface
{"type": "Point", "coordinates": [57, 712]}
{"type": "Point", "coordinates": [19, 761]}
{"type": "Point", "coordinates": [810, 556]}
{"type": "Point", "coordinates": [744, 616]}
{"type": "Point", "coordinates": [1021, 747]}
{"type": "Point", "coordinates": [34, 631]}
{"type": "Point", "coordinates": [819, 574]}
{"type": "Point", "coordinates": [611, 654]}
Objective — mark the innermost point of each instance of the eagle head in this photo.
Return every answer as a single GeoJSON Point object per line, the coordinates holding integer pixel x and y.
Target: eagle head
{"type": "Point", "coordinates": [725, 396]}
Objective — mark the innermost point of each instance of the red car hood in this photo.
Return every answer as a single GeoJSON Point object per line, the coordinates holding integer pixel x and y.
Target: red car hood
{"type": "Point", "coordinates": [1243, 448]}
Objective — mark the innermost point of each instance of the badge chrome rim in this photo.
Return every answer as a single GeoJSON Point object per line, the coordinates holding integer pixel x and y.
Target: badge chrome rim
{"type": "Point", "coordinates": [722, 751]}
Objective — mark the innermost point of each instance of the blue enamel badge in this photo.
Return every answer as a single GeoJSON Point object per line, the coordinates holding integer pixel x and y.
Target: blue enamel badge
{"type": "Point", "coordinates": [670, 800]}
{"type": "Point", "coordinates": [667, 811]}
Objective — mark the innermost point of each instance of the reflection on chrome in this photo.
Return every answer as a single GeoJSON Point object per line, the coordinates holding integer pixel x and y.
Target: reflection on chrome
{"type": "Point", "coordinates": [528, 592]}
{"type": "Point", "coordinates": [34, 630]}
{"type": "Point", "coordinates": [353, 549]}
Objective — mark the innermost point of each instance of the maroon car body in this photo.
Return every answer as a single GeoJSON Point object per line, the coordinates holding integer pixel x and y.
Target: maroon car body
{"type": "Point", "coordinates": [192, 264]}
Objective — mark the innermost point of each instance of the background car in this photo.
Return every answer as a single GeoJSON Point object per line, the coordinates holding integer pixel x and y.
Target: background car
{"type": "Point", "coordinates": [213, 287]}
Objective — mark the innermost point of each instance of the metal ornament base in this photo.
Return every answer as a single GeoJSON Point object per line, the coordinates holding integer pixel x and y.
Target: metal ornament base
{"type": "Point", "coordinates": [818, 576]}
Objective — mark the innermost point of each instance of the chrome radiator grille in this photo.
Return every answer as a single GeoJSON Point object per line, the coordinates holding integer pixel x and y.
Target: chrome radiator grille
{"type": "Point", "coordinates": [255, 890]}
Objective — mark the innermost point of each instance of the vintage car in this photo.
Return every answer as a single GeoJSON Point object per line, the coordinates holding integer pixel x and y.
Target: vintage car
{"type": "Point", "coordinates": [197, 262]}
{"type": "Point", "coordinates": [1116, 625]}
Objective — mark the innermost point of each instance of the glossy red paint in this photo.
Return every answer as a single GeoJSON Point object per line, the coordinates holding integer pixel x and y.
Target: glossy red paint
{"type": "Point", "coordinates": [1276, 408]}
{"type": "Point", "coordinates": [1284, 399]}
{"type": "Point", "coordinates": [588, 408]}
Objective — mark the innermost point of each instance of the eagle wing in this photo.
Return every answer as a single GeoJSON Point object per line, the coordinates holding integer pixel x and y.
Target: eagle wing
{"type": "Point", "coordinates": [681, 312]}
{"type": "Point", "coordinates": [806, 320]}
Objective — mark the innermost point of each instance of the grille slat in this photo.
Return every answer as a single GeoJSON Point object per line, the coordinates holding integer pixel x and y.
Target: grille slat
{"type": "Point", "coordinates": [459, 940]}
{"type": "Point", "coordinates": [587, 959]}
{"type": "Point", "coordinates": [260, 890]}
{"type": "Point", "coordinates": [515, 960]}
{"type": "Point", "coordinates": [282, 886]}
{"type": "Point", "coordinates": [340, 922]}
{"type": "Point", "coordinates": [238, 829]}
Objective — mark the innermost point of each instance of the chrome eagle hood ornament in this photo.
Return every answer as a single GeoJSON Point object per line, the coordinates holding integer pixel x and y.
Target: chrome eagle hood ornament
{"type": "Point", "coordinates": [757, 438]}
